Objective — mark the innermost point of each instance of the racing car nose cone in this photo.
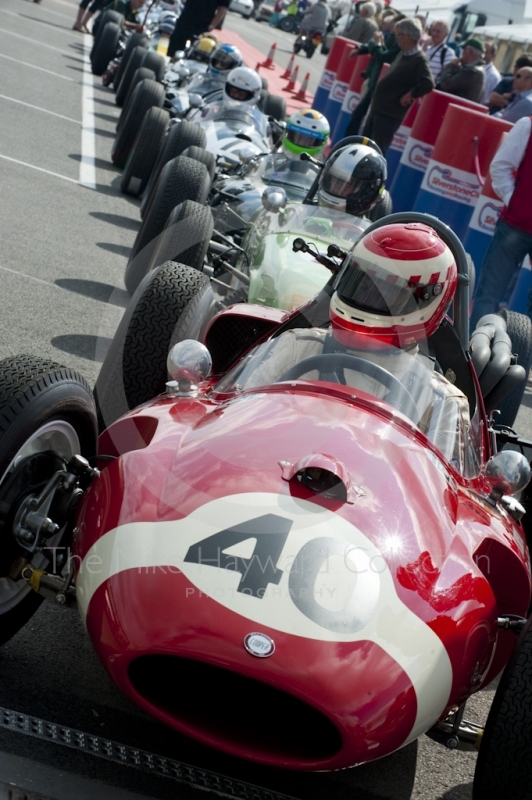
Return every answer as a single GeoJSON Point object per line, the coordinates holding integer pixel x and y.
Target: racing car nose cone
{"type": "Point", "coordinates": [258, 644]}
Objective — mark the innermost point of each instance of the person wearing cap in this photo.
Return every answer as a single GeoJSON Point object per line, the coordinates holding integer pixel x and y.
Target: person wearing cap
{"type": "Point", "coordinates": [520, 101]}
{"type": "Point", "coordinates": [464, 76]}
{"type": "Point", "coordinates": [408, 78]}
{"type": "Point", "coordinates": [511, 176]}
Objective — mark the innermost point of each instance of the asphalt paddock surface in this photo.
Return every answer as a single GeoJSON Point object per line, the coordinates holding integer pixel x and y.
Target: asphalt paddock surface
{"type": "Point", "coordinates": [63, 250]}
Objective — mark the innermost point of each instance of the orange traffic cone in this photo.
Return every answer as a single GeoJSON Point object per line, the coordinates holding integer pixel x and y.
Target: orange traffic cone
{"type": "Point", "coordinates": [290, 67]}
{"type": "Point", "coordinates": [290, 86]}
{"type": "Point", "coordinates": [302, 94]}
{"type": "Point", "coordinates": [268, 64]}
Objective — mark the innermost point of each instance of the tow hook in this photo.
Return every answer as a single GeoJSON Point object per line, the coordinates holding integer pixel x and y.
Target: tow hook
{"type": "Point", "coordinates": [52, 587]}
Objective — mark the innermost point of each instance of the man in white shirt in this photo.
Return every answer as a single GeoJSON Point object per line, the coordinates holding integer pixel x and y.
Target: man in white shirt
{"type": "Point", "coordinates": [511, 176]}
{"type": "Point", "coordinates": [438, 52]}
{"type": "Point", "coordinates": [491, 72]}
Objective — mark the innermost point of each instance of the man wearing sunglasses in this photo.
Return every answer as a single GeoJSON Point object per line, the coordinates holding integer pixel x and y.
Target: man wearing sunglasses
{"type": "Point", "coordinates": [520, 102]}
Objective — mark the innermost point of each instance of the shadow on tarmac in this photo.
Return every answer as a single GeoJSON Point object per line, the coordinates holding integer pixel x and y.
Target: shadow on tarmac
{"type": "Point", "coordinates": [93, 348]}
{"type": "Point", "coordinates": [103, 292]}
{"type": "Point", "coordinates": [116, 219]}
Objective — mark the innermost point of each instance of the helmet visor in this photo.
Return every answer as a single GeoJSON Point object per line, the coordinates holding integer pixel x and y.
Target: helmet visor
{"type": "Point", "coordinates": [374, 289]}
{"type": "Point", "coordinates": [340, 187]}
{"type": "Point", "coordinates": [302, 137]}
{"type": "Point", "coordinates": [237, 93]}
{"type": "Point", "coordinates": [223, 61]}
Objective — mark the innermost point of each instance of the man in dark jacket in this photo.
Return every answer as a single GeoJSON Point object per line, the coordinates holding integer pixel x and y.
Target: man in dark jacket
{"type": "Point", "coordinates": [198, 16]}
{"type": "Point", "coordinates": [408, 78]}
{"type": "Point", "coordinates": [464, 76]}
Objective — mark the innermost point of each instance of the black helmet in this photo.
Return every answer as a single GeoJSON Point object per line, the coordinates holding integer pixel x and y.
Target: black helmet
{"type": "Point", "coordinates": [352, 179]}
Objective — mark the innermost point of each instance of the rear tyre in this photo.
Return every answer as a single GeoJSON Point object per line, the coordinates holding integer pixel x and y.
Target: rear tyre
{"type": "Point", "coordinates": [47, 415]}
{"type": "Point", "coordinates": [184, 134]}
{"type": "Point", "coordinates": [519, 329]}
{"type": "Point", "coordinates": [135, 40]}
{"type": "Point", "coordinates": [106, 16]}
{"type": "Point", "coordinates": [155, 62]}
{"type": "Point", "coordinates": [174, 302]}
{"type": "Point", "coordinates": [189, 242]}
{"type": "Point", "coordinates": [147, 94]}
{"type": "Point", "coordinates": [297, 49]}
{"type": "Point", "coordinates": [141, 74]}
{"type": "Point", "coordinates": [105, 48]}
{"type": "Point", "coordinates": [181, 179]}
{"type": "Point", "coordinates": [144, 152]}
{"type": "Point", "coordinates": [274, 106]}
{"type": "Point", "coordinates": [504, 766]}
{"type": "Point", "coordinates": [133, 64]}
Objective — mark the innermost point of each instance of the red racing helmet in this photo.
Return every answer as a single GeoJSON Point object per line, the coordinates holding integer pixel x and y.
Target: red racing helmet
{"type": "Point", "coordinates": [396, 287]}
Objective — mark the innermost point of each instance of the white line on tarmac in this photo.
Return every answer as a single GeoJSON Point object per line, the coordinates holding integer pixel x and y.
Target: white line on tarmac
{"type": "Point", "coordinates": [29, 19]}
{"type": "Point", "coordinates": [36, 41]}
{"type": "Point", "coordinates": [41, 69]}
{"type": "Point", "coordinates": [31, 277]}
{"type": "Point", "coordinates": [87, 165]}
{"type": "Point", "coordinates": [38, 108]}
{"type": "Point", "coordinates": [40, 169]}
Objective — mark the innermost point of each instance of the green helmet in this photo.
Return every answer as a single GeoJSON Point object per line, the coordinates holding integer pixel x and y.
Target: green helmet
{"type": "Point", "coordinates": [307, 131]}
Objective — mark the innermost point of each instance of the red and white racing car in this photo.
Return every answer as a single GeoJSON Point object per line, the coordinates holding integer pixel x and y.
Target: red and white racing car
{"type": "Point", "coordinates": [348, 561]}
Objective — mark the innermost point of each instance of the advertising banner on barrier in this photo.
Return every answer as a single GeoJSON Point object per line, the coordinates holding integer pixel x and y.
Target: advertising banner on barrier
{"type": "Point", "coordinates": [327, 79]}
{"type": "Point", "coordinates": [452, 183]}
{"type": "Point", "coordinates": [351, 101]}
{"type": "Point", "coordinates": [417, 154]}
{"type": "Point", "coordinates": [486, 214]}
{"type": "Point", "coordinates": [338, 91]}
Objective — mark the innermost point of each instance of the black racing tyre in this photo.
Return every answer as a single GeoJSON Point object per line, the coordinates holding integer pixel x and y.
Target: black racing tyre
{"type": "Point", "coordinates": [141, 74]}
{"type": "Point", "coordinates": [297, 49]}
{"type": "Point", "coordinates": [310, 50]}
{"type": "Point", "coordinates": [105, 48]}
{"type": "Point", "coordinates": [205, 156]}
{"type": "Point", "coordinates": [103, 19]}
{"type": "Point", "coordinates": [504, 765]}
{"type": "Point", "coordinates": [145, 150]}
{"type": "Point", "coordinates": [187, 242]}
{"type": "Point", "coordinates": [324, 50]}
{"type": "Point", "coordinates": [382, 208]}
{"type": "Point", "coordinates": [274, 106]}
{"type": "Point", "coordinates": [519, 329]}
{"type": "Point", "coordinates": [182, 135]}
{"type": "Point", "coordinates": [133, 64]}
{"type": "Point", "coordinates": [264, 94]}
{"type": "Point", "coordinates": [287, 24]}
{"type": "Point", "coordinates": [264, 83]}
{"type": "Point", "coordinates": [181, 179]}
{"type": "Point", "coordinates": [172, 303]}
{"type": "Point", "coordinates": [155, 62]}
{"type": "Point", "coordinates": [135, 40]}
{"type": "Point", "coordinates": [47, 415]}
{"type": "Point", "coordinates": [147, 94]}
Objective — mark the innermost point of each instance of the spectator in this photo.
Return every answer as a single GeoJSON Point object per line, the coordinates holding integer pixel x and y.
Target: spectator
{"type": "Point", "coordinates": [364, 26]}
{"type": "Point", "coordinates": [520, 102]}
{"type": "Point", "coordinates": [277, 11]}
{"type": "Point", "coordinates": [316, 19]}
{"type": "Point", "coordinates": [409, 77]}
{"type": "Point", "coordinates": [421, 18]}
{"type": "Point", "coordinates": [464, 76]}
{"type": "Point", "coordinates": [196, 17]}
{"type": "Point", "coordinates": [511, 175]}
{"type": "Point", "coordinates": [501, 94]}
{"type": "Point", "coordinates": [389, 18]}
{"type": "Point", "coordinates": [438, 52]}
{"type": "Point", "coordinates": [455, 45]}
{"type": "Point", "coordinates": [491, 73]}
{"type": "Point", "coordinates": [380, 54]}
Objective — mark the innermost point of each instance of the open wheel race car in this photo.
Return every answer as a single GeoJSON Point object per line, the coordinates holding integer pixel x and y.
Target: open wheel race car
{"type": "Point", "coordinates": [333, 541]}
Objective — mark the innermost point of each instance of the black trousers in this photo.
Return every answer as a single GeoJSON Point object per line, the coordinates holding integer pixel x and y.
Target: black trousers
{"type": "Point", "coordinates": [183, 31]}
{"type": "Point", "coordinates": [353, 126]}
{"type": "Point", "coordinates": [381, 129]}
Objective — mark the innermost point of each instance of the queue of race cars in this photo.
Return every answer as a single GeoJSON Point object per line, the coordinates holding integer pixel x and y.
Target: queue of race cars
{"type": "Point", "coordinates": [289, 471]}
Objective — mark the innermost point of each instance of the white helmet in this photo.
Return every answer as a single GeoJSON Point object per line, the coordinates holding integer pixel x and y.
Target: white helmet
{"type": "Point", "coordinates": [242, 87]}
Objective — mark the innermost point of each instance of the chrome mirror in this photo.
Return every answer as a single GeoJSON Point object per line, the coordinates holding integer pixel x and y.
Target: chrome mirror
{"type": "Point", "coordinates": [189, 363]}
{"type": "Point", "coordinates": [507, 473]}
{"type": "Point", "coordinates": [274, 199]}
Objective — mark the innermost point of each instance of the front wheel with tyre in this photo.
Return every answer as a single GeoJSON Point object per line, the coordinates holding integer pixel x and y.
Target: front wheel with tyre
{"type": "Point", "coordinates": [133, 64]}
{"type": "Point", "coordinates": [47, 415]}
{"type": "Point", "coordinates": [274, 106]}
{"type": "Point", "coordinates": [186, 236]}
{"type": "Point", "coordinates": [141, 74]}
{"type": "Point", "coordinates": [174, 302]}
{"type": "Point", "coordinates": [287, 24]}
{"type": "Point", "coordinates": [135, 40]}
{"type": "Point", "coordinates": [145, 150]}
{"type": "Point", "coordinates": [105, 48]}
{"type": "Point", "coordinates": [181, 179]}
{"type": "Point", "coordinates": [147, 94]}
{"type": "Point", "coordinates": [504, 764]}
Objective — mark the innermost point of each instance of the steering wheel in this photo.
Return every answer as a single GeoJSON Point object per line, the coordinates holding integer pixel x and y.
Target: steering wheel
{"type": "Point", "coordinates": [399, 395]}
